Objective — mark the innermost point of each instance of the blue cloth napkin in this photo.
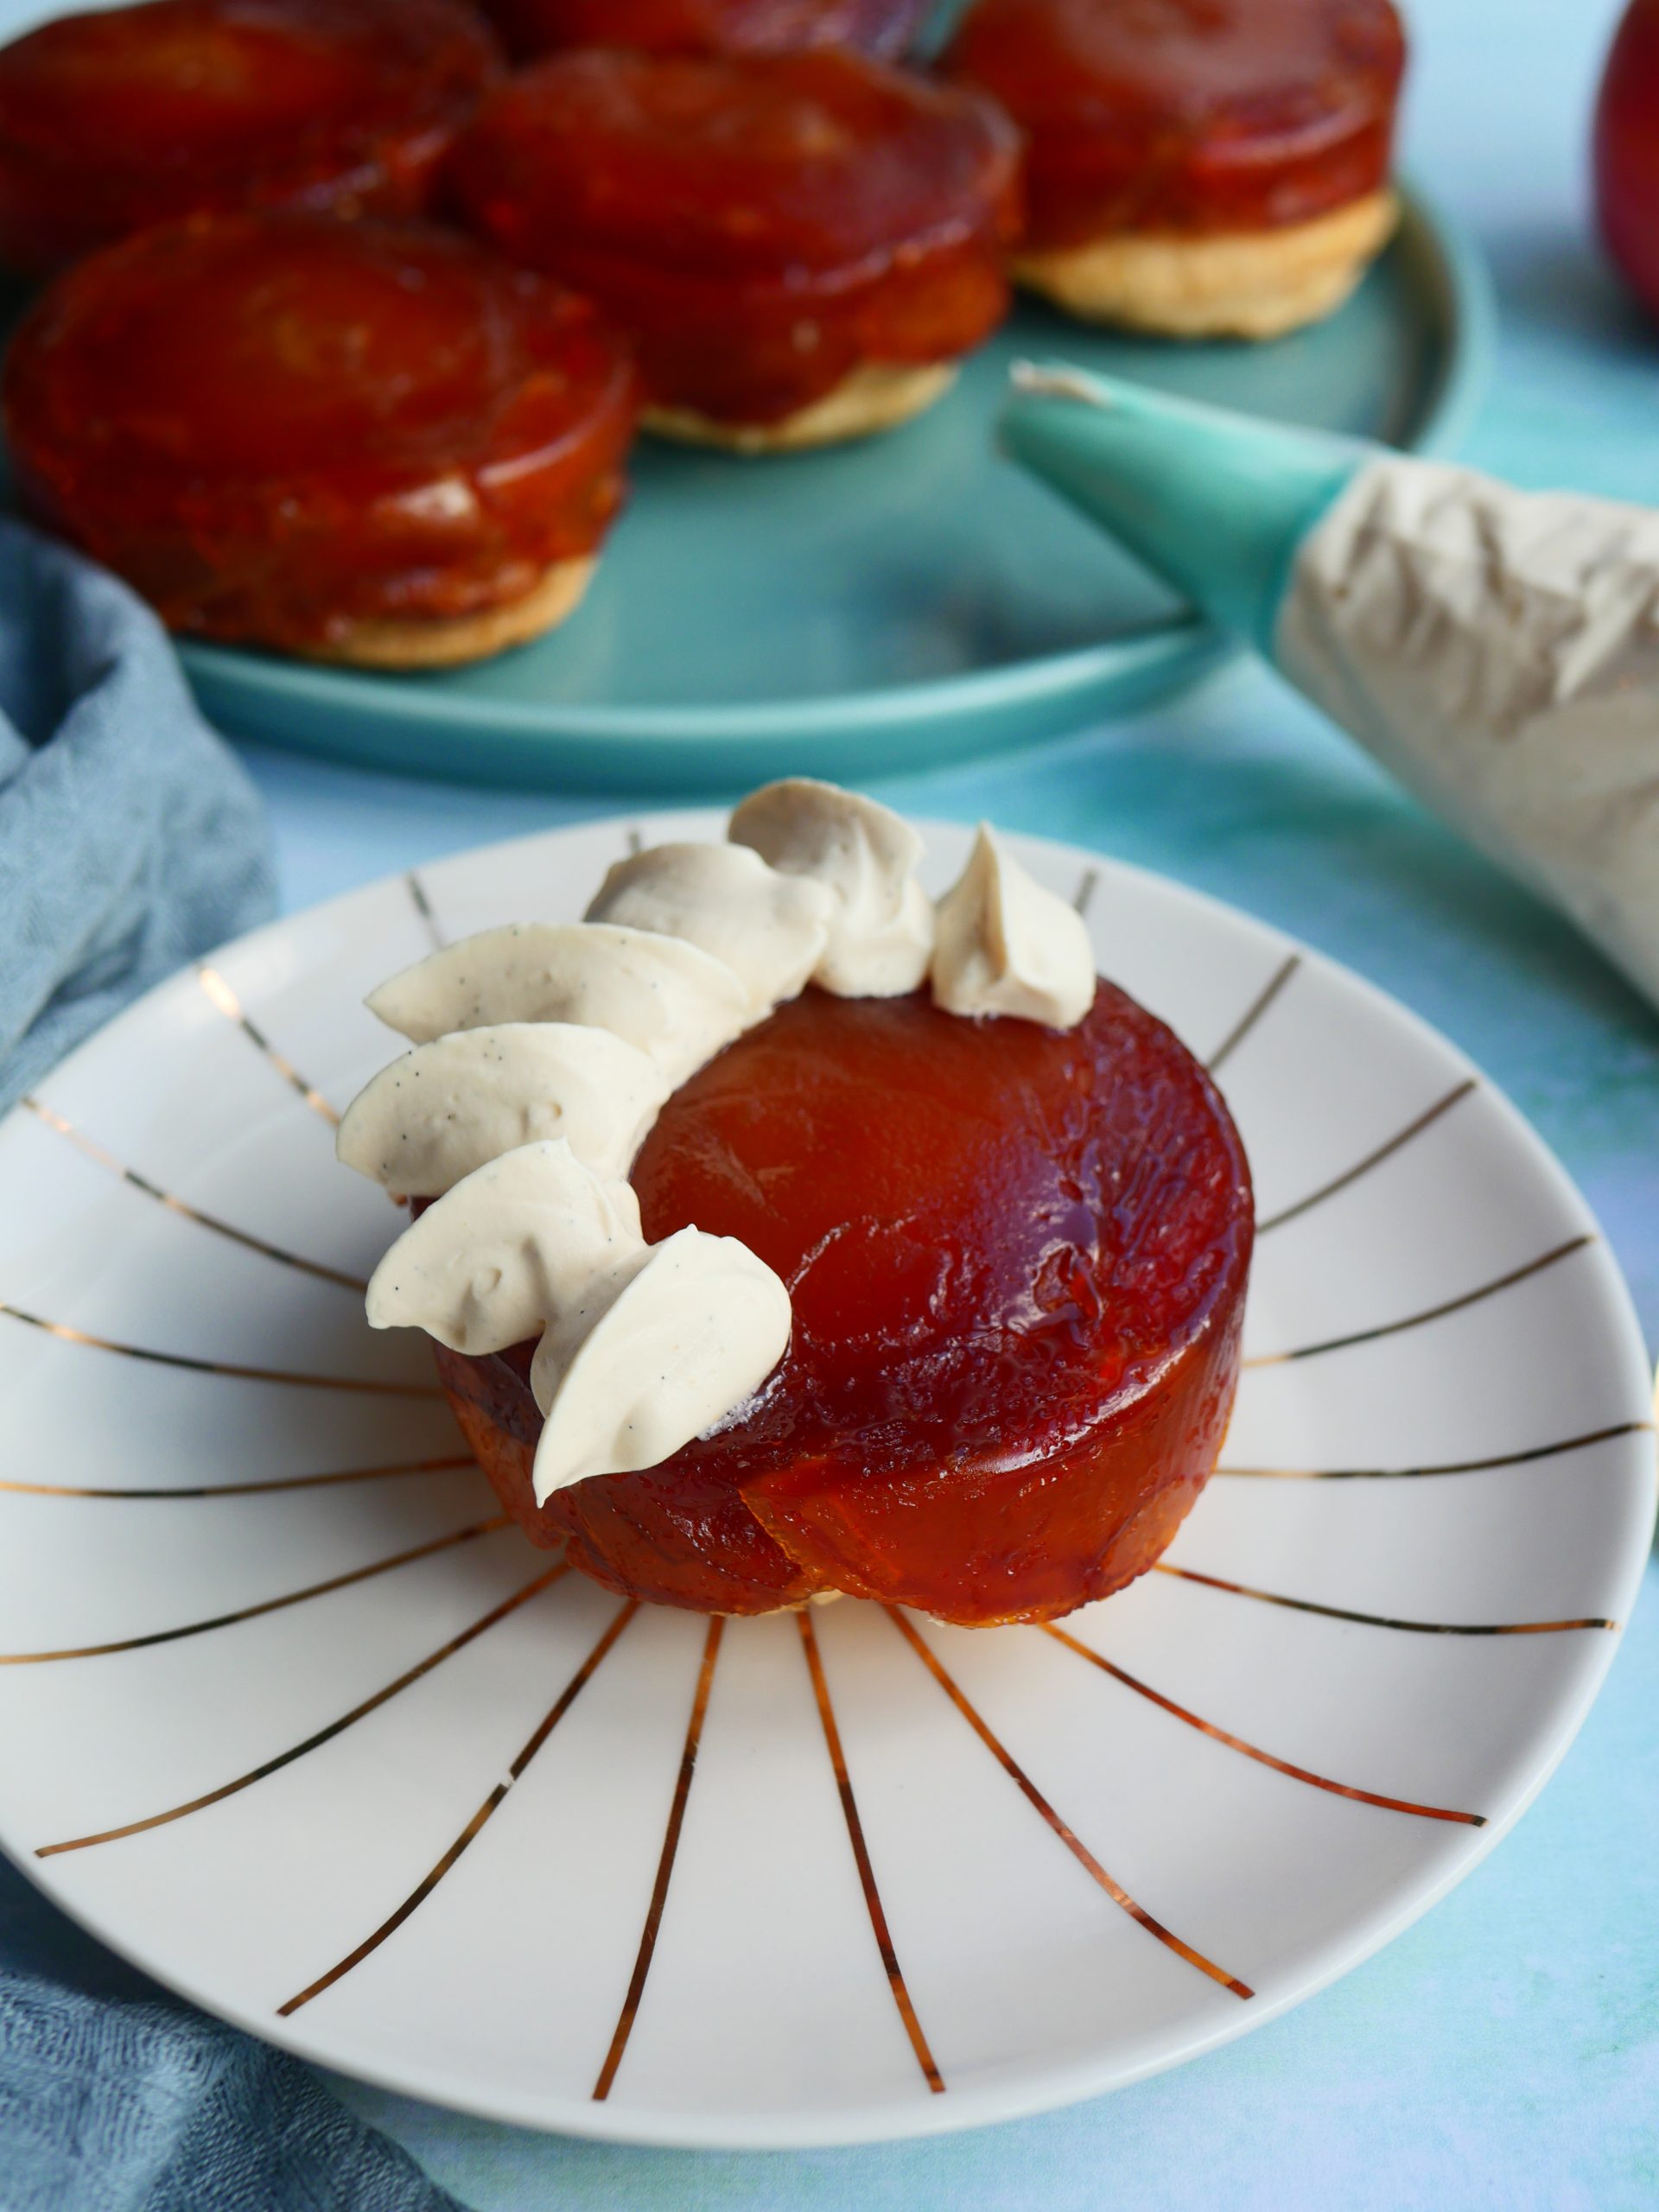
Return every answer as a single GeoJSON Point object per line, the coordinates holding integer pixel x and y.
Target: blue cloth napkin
{"type": "Point", "coordinates": [120, 2108]}
{"type": "Point", "coordinates": [130, 839]}
{"type": "Point", "coordinates": [130, 836]}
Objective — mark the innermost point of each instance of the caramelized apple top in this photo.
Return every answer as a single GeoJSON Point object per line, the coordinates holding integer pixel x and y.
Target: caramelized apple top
{"type": "Point", "coordinates": [744, 169]}
{"type": "Point", "coordinates": [265, 344]}
{"type": "Point", "coordinates": [882, 27]}
{"type": "Point", "coordinates": [112, 121]}
{"type": "Point", "coordinates": [991, 1231]}
{"type": "Point", "coordinates": [1017, 1258]}
{"type": "Point", "coordinates": [267, 422]}
{"type": "Point", "coordinates": [1188, 115]}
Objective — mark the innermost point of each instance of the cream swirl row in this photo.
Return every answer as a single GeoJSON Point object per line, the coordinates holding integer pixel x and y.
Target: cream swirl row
{"type": "Point", "coordinates": [545, 1052]}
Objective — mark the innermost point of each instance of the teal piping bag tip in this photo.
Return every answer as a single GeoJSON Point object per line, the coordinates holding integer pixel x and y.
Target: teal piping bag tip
{"type": "Point", "coordinates": [1494, 648]}
{"type": "Point", "coordinates": [1214, 502]}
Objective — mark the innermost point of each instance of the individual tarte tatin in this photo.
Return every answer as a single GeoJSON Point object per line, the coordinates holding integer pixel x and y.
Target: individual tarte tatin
{"type": "Point", "coordinates": [970, 1252]}
{"type": "Point", "coordinates": [887, 28]}
{"type": "Point", "coordinates": [1197, 167]}
{"type": "Point", "coordinates": [112, 121]}
{"type": "Point", "coordinates": [801, 245]}
{"type": "Point", "coordinates": [355, 442]}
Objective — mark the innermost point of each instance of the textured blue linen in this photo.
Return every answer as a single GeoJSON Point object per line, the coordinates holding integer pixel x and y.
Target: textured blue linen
{"type": "Point", "coordinates": [122, 2107]}
{"type": "Point", "coordinates": [130, 836]}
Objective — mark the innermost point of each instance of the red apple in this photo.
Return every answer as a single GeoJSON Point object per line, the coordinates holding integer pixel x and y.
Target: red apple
{"type": "Point", "coordinates": [1627, 151]}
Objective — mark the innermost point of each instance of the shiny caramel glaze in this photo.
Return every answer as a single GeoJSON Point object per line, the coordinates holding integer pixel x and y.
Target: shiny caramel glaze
{"type": "Point", "coordinates": [1017, 1258]}
{"type": "Point", "coordinates": [113, 121]}
{"type": "Point", "coordinates": [761, 225]}
{"type": "Point", "coordinates": [1198, 117]}
{"type": "Point", "coordinates": [278, 426]}
{"type": "Point", "coordinates": [879, 27]}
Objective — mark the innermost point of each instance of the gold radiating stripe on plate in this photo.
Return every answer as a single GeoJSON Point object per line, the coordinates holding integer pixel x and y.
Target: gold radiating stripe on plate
{"type": "Point", "coordinates": [635, 1989]}
{"type": "Point", "coordinates": [106, 1159]}
{"type": "Point", "coordinates": [424, 1888]}
{"type": "Point", "coordinates": [1522, 1459]}
{"type": "Point", "coordinates": [1377, 1620]}
{"type": "Point", "coordinates": [1252, 1013]}
{"type": "Point", "coordinates": [873, 1904]}
{"type": "Point", "coordinates": [221, 994]}
{"type": "Point", "coordinates": [266, 1605]}
{"type": "Point", "coordinates": [1430, 1313]}
{"type": "Point", "coordinates": [422, 907]}
{"type": "Point", "coordinates": [312, 1742]}
{"type": "Point", "coordinates": [264, 1487]}
{"type": "Point", "coordinates": [1361, 1167]}
{"type": "Point", "coordinates": [1253, 1750]}
{"type": "Point", "coordinates": [1079, 1850]}
{"type": "Point", "coordinates": [192, 1366]}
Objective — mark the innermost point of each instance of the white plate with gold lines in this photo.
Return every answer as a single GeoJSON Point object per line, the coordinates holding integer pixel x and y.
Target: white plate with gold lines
{"type": "Point", "coordinates": [289, 1719]}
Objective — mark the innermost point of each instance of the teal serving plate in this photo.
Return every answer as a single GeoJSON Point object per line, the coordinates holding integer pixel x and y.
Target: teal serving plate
{"type": "Point", "coordinates": [881, 608]}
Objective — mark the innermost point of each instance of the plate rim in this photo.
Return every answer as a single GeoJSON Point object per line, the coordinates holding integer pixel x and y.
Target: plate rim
{"type": "Point", "coordinates": [610, 747]}
{"type": "Point", "coordinates": [1058, 2086]}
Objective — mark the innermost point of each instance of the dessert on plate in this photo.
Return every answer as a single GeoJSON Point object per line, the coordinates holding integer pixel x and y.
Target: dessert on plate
{"type": "Point", "coordinates": [356, 442]}
{"type": "Point", "coordinates": [782, 1235]}
{"type": "Point", "coordinates": [882, 26]}
{"type": "Point", "coordinates": [115, 120]}
{"type": "Point", "coordinates": [1199, 167]}
{"type": "Point", "coordinates": [802, 246]}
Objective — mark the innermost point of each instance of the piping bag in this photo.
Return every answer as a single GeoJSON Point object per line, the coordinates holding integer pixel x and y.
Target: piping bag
{"type": "Point", "coordinates": [1496, 650]}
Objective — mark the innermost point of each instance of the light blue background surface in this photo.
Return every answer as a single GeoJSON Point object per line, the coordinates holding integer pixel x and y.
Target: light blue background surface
{"type": "Point", "coordinates": [1505, 2053]}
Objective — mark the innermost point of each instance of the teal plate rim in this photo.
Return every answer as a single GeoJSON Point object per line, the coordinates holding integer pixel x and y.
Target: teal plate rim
{"type": "Point", "coordinates": [392, 723]}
